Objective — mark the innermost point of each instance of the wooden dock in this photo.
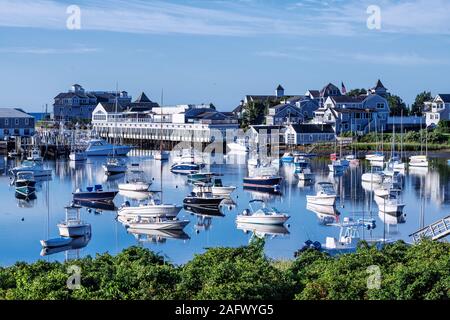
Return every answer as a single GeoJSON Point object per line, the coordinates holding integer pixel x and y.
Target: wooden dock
{"type": "Point", "coordinates": [435, 231]}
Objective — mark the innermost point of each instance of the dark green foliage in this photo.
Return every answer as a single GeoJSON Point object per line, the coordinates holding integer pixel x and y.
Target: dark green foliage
{"type": "Point", "coordinates": [417, 106]}
{"type": "Point", "coordinates": [397, 106]}
{"type": "Point", "coordinates": [356, 92]}
{"type": "Point", "coordinates": [407, 272]}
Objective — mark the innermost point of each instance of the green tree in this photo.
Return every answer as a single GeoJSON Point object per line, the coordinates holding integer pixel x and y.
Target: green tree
{"type": "Point", "coordinates": [418, 104]}
{"type": "Point", "coordinates": [253, 113]}
{"type": "Point", "coordinates": [396, 105]}
{"type": "Point", "coordinates": [356, 92]}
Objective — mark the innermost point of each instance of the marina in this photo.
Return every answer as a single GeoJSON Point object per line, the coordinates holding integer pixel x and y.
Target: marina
{"type": "Point", "coordinates": [119, 215]}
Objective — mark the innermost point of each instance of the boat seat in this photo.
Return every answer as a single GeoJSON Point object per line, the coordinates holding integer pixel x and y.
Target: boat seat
{"type": "Point", "coordinates": [90, 189]}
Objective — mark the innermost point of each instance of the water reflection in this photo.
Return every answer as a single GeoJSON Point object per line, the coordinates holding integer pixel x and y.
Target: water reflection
{"type": "Point", "coordinates": [426, 196]}
{"type": "Point", "coordinates": [157, 236]}
{"type": "Point", "coordinates": [75, 245]}
{"type": "Point", "coordinates": [262, 231]}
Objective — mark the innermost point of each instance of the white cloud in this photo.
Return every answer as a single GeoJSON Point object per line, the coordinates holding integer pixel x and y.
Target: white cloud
{"type": "Point", "coordinates": [233, 18]}
{"type": "Point", "coordinates": [36, 50]}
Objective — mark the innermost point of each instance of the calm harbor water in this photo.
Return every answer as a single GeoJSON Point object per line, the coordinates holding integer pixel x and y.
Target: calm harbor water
{"type": "Point", "coordinates": [23, 224]}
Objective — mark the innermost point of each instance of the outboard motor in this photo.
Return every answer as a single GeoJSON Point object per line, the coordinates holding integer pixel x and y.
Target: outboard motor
{"type": "Point", "coordinates": [126, 204]}
{"type": "Point", "coordinates": [246, 212]}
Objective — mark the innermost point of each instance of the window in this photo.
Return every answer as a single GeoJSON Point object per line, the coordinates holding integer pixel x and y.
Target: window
{"type": "Point", "coordinates": [26, 132]}
{"type": "Point", "coordinates": [6, 122]}
{"type": "Point", "coordinates": [16, 122]}
{"type": "Point", "coordinates": [380, 105]}
{"type": "Point", "coordinates": [27, 121]}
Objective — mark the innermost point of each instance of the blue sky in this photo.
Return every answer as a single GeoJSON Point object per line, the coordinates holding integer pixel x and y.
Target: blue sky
{"type": "Point", "coordinates": [218, 51]}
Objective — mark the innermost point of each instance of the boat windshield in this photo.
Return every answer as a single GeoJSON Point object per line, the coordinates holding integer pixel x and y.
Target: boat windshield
{"type": "Point", "coordinates": [326, 187]}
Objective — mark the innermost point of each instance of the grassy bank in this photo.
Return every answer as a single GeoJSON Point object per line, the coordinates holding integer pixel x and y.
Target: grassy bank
{"type": "Point", "coordinates": [410, 146]}
{"type": "Point", "coordinates": [406, 272]}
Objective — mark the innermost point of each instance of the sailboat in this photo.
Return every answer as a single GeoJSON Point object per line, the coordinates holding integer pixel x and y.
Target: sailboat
{"type": "Point", "coordinates": [420, 161]}
{"type": "Point", "coordinates": [114, 165]}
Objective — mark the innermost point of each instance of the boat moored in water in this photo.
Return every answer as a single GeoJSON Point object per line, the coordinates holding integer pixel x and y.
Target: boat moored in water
{"type": "Point", "coordinates": [325, 196]}
{"type": "Point", "coordinates": [263, 215]}
{"type": "Point", "coordinates": [95, 193]}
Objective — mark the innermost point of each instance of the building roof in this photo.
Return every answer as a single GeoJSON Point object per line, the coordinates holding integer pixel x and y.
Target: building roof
{"type": "Point", "coordinates": [312, 128]}
{"type": "Point", "coordinates": [13, 113]}
{"type": "Point", "coordinates": [238, 109]}
{"type": "Point", "coordinates": [329, 87]}
{"type": "Point", "coordinates": [348, 99]}
{"type": "Point", "coordinates": [111, 107]}
{"type": "Point", "coordinates": [280, 87]}
{"type": "Point", "coordinates": [314, 93]}
{"type": "Point", "coordinates": [444, 97]}
{"type": "Point", "coordinates": [379, 85]}
{"type": "Point", "coordinates": [269, 128]}
{"type": "Point", "coordinates": [142, 98]}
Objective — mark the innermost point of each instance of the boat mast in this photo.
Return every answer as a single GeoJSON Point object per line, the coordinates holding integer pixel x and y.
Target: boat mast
{"type": "Point", "coordinates": [115, 120]}
{"type": "Point", "coordinates": [160, 143]}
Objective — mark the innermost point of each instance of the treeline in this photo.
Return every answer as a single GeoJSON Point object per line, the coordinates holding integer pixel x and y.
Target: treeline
{"type": "Point", "coordinates": [406, 272]}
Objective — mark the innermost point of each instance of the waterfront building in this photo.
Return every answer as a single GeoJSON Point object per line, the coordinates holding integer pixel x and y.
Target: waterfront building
{"type": "Point", "coordinates": [267, 134]}
{"type": "Point", "coordinates": [78, 104]}
{"type": "Point", "coordinates": [189, 123]}
{"type": "Point", "coordinates": [309, 133]}
{"type": "Point", "coordinates": [15, 122]}
{"type": "Point", "coordinates": [438, 109]}
{"type": "Point", "coordinates": [360, 114]}
{"type": "Point", "coordinates": [410, 123]}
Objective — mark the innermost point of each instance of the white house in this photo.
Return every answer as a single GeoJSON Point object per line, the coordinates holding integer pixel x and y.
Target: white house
{"type": "Point", "coordinates": [363, 113]}
{"type": "Point", "coordinates": [439, 109]}
{"type": "Point", "coordinates": [308, 133]}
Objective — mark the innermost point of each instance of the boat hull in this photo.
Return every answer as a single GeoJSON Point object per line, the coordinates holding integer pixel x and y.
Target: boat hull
{"type": "Point", "coordinates": [223, 191]}
{"type": "Point", "coordinates": [118, 151]}
{"type": "Point", "coordinates": [138, 187]}
{"type": "Point", "coordinates": [94, 196]}
{"type": "Point", "coordinates": [272, 220]}
{"type": "Point", "coordinates": [321, 200]}
{"type": "Point", "coordinates": [202, 202]}
{"type": "Point", "coordinates": [164, 225]}
{"type": "Point", "coordinates": [271, 184]}
{"type": "Point", "coordinates": [151, 211]}
{"type": "Point", "coordinates": [74, 231]}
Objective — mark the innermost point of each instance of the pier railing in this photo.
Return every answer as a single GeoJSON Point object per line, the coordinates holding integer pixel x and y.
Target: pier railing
{"type": "Point", "coordinates": [436, 230]}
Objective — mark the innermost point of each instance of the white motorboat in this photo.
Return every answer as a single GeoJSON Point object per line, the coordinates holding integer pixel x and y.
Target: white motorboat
{"type": "Point", "coordinates": [216, 188]}
{"type": "Point", "coordinates": [32, 166]}
{"type": "Point", "coordinates": [73, 226]}
{"type": "Point", "coordinates": [263, 215]}
{"type": "Point", "coordinates": [376, 157]}
{"type": "Point", "coordinates": [376, 175]}
{"type": "Point", "coordinates": [390, 203]}
{"type": "Point", "coordinates": [100, 147]}
{"type": "Point", "coordinates": [185, 168]}
{"type": "Point", "coordinates": [35, 155]}
{"type": "Point", "coordinates": [418, 161]}
{"type": "Point", "coordinates": [153, 208]}
{"type": "Point", "coordinates": [114, 166]}
{"type": "Point", "coordinates": [135, 181]}
{"type": "Point", "coordinates": [349, 237]}
{"type": "Point", "coordinates": [326, 195]}
{"type": "Point", "coordinates": [78, 155]}
{"type": "Point", "coordinates": [153, 223]}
